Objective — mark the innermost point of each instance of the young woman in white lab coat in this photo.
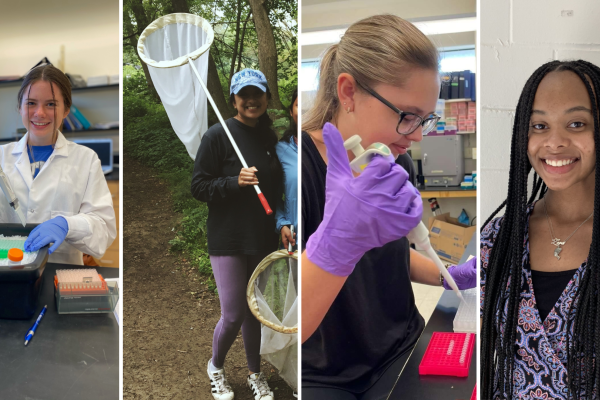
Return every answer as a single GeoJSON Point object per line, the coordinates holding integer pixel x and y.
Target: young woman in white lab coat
{"type": "Point", "coordinates": [60, 185]}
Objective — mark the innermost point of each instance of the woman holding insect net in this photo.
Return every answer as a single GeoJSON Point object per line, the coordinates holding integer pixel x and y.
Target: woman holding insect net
{"type": "Point", "coordinates": [240, 234]}
{"type": "Point", "coordinates": [359, 318]}
{"type": "Point", "coordinates": [540, 276]}
{"type": "Point", "coordinates": [60, 184]}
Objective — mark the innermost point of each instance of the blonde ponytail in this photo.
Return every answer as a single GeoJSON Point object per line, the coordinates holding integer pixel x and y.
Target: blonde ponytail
{"type": "Point", "coordinates": [378, 49]}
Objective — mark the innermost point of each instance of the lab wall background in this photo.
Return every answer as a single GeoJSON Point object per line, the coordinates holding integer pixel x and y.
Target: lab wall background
{"type": "Point", "coordinates": [79, 37]}
{"type": "Point", "coordinates": [87, 31]}
{"type": "Point", "coordinates": [516, 38]}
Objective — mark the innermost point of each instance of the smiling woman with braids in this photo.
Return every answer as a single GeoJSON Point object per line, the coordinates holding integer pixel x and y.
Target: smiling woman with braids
{"type": "Point", "coordinates": [540, 277]}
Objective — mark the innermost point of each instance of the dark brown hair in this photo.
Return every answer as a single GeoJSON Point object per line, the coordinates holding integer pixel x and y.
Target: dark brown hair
{"type": "Point", "coordinates": [50, 74]}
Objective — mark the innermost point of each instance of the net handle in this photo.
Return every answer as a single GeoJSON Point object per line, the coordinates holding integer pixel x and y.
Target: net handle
{"type": "Point", "coordinates": [251, 298]}
{"type": "Point", "coordinates": [260, 194]}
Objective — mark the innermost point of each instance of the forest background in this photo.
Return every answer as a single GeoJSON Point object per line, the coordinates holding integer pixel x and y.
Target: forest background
{"type": "Point", "coordinates": [257, 34]}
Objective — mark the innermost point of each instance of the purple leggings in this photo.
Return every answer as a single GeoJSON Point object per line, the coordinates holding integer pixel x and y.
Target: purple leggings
{"type": "Point", "coordinates": [232, 274]}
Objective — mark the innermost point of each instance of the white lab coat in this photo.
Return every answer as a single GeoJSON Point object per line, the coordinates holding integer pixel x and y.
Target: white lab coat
{"type": "Point", "coordinates": [71, 184]}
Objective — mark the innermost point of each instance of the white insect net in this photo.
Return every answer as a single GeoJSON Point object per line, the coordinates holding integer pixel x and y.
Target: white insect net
{"type": "Point", "coordinates": [165, 46]}
{"type": "Point", "coordinates": [272, 298]}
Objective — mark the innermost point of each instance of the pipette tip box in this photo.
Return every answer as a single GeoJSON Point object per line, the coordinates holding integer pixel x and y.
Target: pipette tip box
{"type": "Point", "coordinates": [84, 291]}
{"type": "Point", "coordinates": [474, 395]}
{"type": "Point", "coordinates": [448, 354]}
{"type": "Point", "coordinates": [20, 282]}
{"type": "Point", "coordinates": [466, 316]}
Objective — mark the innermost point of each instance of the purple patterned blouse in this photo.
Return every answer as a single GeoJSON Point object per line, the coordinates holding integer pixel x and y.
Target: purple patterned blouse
{"type": "Point", "coordinates": [540, 351]}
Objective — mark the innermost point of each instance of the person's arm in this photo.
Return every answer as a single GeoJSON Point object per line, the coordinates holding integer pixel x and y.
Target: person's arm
{"type": "Point", "coordinates": [360, 214]}
{"type": "Point", "coordinates": [94, 228]}
{"type": "Point", "coordinates": [319, 290]}
{"type": "Point", "coordinates": [207, 185]}
{"type": "Point", "coordinates": [282, 219]}
{"type": "Point", "coordinates": [423, 270]}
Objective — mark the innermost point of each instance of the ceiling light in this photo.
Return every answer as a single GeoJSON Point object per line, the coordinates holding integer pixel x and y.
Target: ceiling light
{"type": "Point", "coordinates": [435, 27]}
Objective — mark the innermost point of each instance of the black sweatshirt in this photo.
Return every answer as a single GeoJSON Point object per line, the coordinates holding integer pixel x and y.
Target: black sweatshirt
{"type": "Point", "coordinates": [374, 319]}
{"type": "Point", "coordinates": [237, 223]}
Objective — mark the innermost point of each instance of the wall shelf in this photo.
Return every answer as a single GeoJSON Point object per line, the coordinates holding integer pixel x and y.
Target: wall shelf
{"type": "Point", "coordinates": [456, 100]}
{"type": "Point", "coordinates": [448, 193]}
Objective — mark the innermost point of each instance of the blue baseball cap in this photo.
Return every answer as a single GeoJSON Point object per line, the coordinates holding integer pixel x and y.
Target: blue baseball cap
{"type": "Point", "coordinates": [248, 77]}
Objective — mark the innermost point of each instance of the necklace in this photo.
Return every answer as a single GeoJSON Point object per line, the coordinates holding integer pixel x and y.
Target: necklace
{"type": "Point", "coordinates": [556, 241]}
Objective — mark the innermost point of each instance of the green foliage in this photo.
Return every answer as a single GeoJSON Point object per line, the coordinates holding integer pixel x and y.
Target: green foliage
{"type": "Point", "coordinates": [280, 120]}
{"type": "Point", "coordinates": [191, 239]}
{"type": "Point", "coordinates": [149, 138]}
{"type": "Point", "coordinates": [287, 74]}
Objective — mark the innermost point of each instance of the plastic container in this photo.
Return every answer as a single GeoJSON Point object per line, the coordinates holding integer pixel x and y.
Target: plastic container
{"type": "Point", "coordinates": [440, 108]}
{"type": "Point", "coordinates": [448, 354]}
{"type": "Point", "coordinates": [450, 130]}
{"type": "Point", "coordinates": [85, 293]}
{"type": "Point", "coordinates": [20, 284]}
{"type": "Point", "coordinates": [465, 319]}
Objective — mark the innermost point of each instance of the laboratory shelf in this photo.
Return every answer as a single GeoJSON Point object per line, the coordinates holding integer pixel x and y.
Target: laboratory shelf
{"type": "Point", "coordinates": [456, 100]}
{"type": "Point", "coordinates": [425, 194]}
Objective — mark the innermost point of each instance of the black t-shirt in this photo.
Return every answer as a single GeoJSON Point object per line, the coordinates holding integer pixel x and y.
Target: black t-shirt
{"type": "Point", "coordinates": [547, 287]}
{"type": "Point", "coordinates": [373, 320]}
{"type": "Point", "coordinates": [237, 223]}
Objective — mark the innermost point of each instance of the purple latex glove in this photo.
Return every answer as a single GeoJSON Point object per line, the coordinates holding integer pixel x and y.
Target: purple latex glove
{"type": "Point", "coordinates": [52, 231]}
{"type": "Point", "coordinates": [361, 213]}
{"type": "Point", "coordinates": [465, 275]}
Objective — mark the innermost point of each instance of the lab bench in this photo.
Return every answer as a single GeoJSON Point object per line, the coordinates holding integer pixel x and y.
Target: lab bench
{"type": "Point", "coordinates": [71, 356]}
{"type": "Point", "coordinates": [411, 385]}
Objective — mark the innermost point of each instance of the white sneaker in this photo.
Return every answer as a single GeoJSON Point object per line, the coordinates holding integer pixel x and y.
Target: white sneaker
{"type": "Point", "coordinates": [220, 388]}
{"type": "Point", "coordinates": [260, 388]}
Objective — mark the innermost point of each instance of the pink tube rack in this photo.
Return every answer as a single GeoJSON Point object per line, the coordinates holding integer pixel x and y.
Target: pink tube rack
{"type": "Point", "coordinates": [448, 354]}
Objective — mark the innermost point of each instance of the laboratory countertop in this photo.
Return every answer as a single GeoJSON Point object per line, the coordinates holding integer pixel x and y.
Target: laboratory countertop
{"type": "Point", "coordinates": [411, 385]}
{"type": "Point", "coordinates": [71, 356]}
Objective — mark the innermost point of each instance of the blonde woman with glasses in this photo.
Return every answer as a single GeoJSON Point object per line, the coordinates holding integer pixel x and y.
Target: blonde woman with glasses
{"type": "Point", "coordinates": [359, 319]}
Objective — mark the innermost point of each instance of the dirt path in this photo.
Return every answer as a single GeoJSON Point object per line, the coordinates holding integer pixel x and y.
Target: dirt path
{"type": "Point", "coordinates": [169, 314]}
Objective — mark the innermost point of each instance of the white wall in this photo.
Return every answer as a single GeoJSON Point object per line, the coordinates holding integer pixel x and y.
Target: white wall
{"type": "Point", "coordinates": [88, 31]}
{"type": "Point", "coordinates": [323, 14]}
{"type": "Point", "coordinates": [516, 38]}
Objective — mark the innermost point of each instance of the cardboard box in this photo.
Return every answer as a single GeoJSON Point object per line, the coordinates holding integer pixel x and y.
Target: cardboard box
{"type": "Point", "coordinates": [448, 237]}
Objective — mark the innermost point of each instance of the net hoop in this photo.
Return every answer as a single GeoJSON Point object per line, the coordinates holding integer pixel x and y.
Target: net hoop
{"type": "Point", "coordinates": [251, 298]}
{"type": "Point", "coordinates": [177, 18]}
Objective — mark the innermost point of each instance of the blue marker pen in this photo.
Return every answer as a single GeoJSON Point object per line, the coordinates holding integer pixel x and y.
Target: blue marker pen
{"type": "Point", "coordinates": [34, 327]}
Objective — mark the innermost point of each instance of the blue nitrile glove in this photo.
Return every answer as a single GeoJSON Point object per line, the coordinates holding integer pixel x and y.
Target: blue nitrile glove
{"type": "Point", "coordinates": [54, 230]}
{"type": "Point", "coordinates": [362, 213]}
{"type": "Point", "coordinates": [465, 275]}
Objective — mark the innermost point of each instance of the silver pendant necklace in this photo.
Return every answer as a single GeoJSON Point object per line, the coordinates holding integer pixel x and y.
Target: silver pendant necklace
{"type": "Point", "coordinates": [556, 241]}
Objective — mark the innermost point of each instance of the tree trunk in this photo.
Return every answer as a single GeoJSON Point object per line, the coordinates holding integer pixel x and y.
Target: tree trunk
{"type": "Point", "coordinates": [180, 6]}
{"type": "Point", "coordinates": [241, 52]}
{"type": "Point", "coordinates": [142, 22]}
{"type": "Point", "coordinates": [216, 91]}
{"type": "Point", "coordinates": [237, 40]}
{"type": "Point", "coordinates": [267, 51]}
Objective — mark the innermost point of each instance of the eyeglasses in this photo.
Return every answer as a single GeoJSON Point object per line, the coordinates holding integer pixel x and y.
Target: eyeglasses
{"type": "Point", "coordinates": [408, 122]}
